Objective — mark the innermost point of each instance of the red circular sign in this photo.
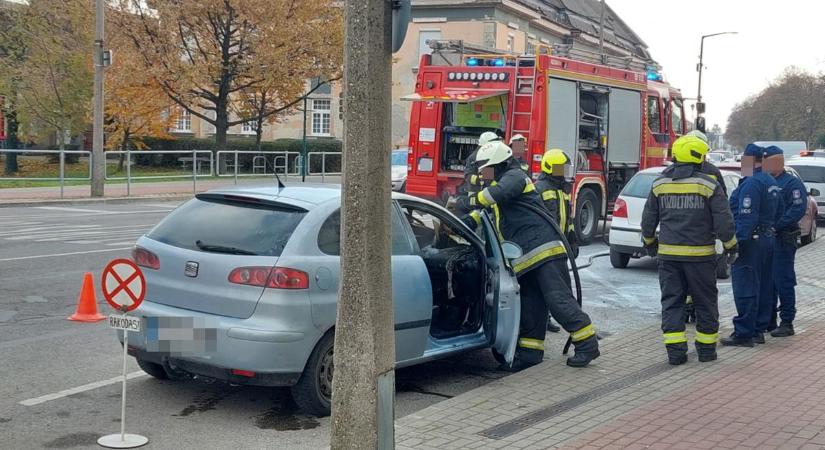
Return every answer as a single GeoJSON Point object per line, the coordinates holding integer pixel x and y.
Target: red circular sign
{"type": "Point", "coordinates": [123, 285]}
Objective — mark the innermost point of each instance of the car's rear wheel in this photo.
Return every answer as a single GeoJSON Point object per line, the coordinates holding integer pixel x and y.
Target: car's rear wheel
{"type": "Point", "coordinates": [811, 237]}
{"type": "Point", "coordinates": [153, 369]}
{"type": "Point", "coordinates": [313, 393]}
{"type": "Point", "coordinates": [587, 215]}
{"type": "Point", "coordinates": [618, 260]}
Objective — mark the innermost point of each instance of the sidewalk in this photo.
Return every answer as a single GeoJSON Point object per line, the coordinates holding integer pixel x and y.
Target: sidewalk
{"type": "Point", "coordinates": [144, 189]}
{"type": "Point", "coordinates": [770, 396]}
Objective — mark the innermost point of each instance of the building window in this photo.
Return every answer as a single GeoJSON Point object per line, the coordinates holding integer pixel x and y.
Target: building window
{"type": "Point", "coordinates": [321, 110]}
{"type": "Point", "coordinates": [183, 123]}
{"type": "Point", "coordinates": [423, 37]}
{"type": "Point", "coordinates": [248, 127]}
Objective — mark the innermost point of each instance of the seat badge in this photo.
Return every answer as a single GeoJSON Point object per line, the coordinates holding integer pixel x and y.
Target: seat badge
{"type": "Point", "coordinates": [191, 269]}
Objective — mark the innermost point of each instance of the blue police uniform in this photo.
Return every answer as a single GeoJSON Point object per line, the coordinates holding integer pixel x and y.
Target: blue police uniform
{"type": "Point", "coordinates": [795, 200]}
{"type": "Point", "coordinates": [754, 205]}
{"type": "Point", "coordinates": [765, 316]}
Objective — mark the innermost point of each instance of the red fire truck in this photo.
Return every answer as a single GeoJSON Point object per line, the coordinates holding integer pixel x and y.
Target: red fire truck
{"type": "Point", "coordinates": [612, 122]}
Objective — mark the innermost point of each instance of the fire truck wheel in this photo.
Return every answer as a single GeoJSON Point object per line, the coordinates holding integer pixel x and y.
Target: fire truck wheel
{"type": "Point", "coordinates": [587, 215]}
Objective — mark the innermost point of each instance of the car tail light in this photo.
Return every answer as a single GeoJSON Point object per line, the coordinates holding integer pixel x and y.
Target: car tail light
{"type": "Point", "coordinates": [243, 373]}
{"type": "Point", "coordinates": [275, 278]}
{"type": "Point", "coordinates": [145, 258]}
{"type": "Point", "coordinates": [620, 208]}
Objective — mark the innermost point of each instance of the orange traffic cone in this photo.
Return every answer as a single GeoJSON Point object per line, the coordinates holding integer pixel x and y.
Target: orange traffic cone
{"type": "Point", "coordinates": [87, 303]}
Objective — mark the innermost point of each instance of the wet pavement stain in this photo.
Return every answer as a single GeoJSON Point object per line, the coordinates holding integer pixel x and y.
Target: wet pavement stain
{"type": "Point", "coordinates": [73, 440]}
{"type": "Point", "coordinates": [205, 401]}
{"type": "Point", "coordinates": [285, 417]}
{"type": "Point", "coordinates": [4, 420]}
{"type": "Point", "coordinates": [63, 414]}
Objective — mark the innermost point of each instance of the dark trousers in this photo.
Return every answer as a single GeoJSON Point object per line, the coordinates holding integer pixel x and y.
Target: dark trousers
{"type": "Point", "coordinates": [766, 307]}
{"type": "Point", "coordinates": [676, 280]}
{"type": "Point", "coordinates": [745, 274]}
{"type": "Point", "coordinates": [784, 279]}
{"type": "Point", "coordinates": [547, 288]}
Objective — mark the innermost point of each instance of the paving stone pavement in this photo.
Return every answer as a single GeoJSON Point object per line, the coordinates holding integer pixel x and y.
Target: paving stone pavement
{"type": "Point", "coordinates": [770, 396]}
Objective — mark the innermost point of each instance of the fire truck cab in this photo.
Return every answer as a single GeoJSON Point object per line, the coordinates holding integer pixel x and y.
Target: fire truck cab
{"type": "Point", "coordinates": [611, 122]}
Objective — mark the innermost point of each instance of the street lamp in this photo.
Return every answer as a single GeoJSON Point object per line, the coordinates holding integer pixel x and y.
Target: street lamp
{"type": "Point", "coordinates": [700, 107]}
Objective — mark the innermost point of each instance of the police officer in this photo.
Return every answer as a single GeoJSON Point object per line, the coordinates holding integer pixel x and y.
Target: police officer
{"type": "Point", "coordinates": [467, 192]}
{"type": "Point", "coordinates": [553, 186]}
{"type": "Point", "coordinates": [795, 204]}
{"type": "Point", "coordinates": [542, 269]}
{"type": "Point", "coordinates": [691, 211]}
{"type": "Point", "coordinates": [754, 205]}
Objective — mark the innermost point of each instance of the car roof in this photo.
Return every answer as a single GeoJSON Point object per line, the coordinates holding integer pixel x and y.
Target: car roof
{"type": "Point", "coordinates": [660, 169]}
{"type": "Point", "coordinates": [304, 195]}
{"type": "Point", "coordinates": [806, 161]}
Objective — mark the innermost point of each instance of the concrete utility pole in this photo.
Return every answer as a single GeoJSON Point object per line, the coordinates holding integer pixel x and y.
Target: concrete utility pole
{"type": "Point", "coordinates": [363, 394]}
{"type": "Point", "coordinates": [98, 158]}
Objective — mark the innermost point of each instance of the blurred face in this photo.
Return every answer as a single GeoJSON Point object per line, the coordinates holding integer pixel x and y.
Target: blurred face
{"type": "Point", "coordinates": [519, 148]}
{"type": "Point", "coordinates": [747, 165]}
{"type": "Point", "coordinates": [488, 173]}
{"type": "Point", "coordinates": [774, 165]}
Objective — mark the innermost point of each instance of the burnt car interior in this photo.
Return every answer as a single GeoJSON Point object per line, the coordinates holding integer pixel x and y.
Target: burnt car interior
{"type": "Point", "coordinates": [456, 267]}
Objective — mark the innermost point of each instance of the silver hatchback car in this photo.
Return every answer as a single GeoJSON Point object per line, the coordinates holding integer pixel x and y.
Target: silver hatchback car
{"type": "Point", "coordinates": [242, 286]}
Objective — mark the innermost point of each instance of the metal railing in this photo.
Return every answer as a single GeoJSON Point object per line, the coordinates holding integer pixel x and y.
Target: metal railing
{"type": "Point", "coordinates": [246, 163]}
{"type": "Point", "coordinates": [195, 158]}
{"type": "Point", "coordinates": [336, 164]}
{"type": "Point", "coordinates": [61, 165]}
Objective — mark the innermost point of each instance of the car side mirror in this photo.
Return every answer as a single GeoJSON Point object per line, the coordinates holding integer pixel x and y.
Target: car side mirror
{"type": "Point", "coordinates": [815, 192]}
{"type": "Point", "coordinates": [511, 250]}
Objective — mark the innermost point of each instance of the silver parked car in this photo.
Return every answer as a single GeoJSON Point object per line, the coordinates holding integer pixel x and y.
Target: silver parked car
{"type": "Point", "coordinates": [242, 286]}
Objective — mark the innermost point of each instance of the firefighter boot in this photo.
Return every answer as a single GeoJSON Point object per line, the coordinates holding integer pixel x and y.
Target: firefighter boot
{"type": "Point", "coordinates": [690, 311]}
{"type": "Point", "coordinates": [706, 352]}
{"type": "Point", "coordinates": [785, 329]}
{"type": "Point", "coordinates": [677, 353]}
{"type": "Point", "coordinates": [586, 351]}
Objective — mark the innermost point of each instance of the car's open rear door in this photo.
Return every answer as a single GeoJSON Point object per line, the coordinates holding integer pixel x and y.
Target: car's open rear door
{"type": "Point", "coordinates": [502, 304]}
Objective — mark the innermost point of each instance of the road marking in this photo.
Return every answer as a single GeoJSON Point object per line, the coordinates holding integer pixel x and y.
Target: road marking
{"type": "Point", "coordinates": [20, 258]}
{"type": "Point", "coordinates": [79, 389]}
{"type": "Point", "coordinates": [58, 208]}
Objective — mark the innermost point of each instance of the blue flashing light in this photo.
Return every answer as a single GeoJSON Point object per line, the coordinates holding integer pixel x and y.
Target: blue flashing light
{"type": "Point", "coordinates": [472, 62]}
{"type": "Point", "coordinates": [499, 62]}
{"type": "Point", "coordinates": [654, 76]}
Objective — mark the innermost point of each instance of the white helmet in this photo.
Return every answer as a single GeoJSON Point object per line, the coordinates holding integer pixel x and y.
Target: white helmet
{"type": "Point", "coordinates": [487, 136]}
{"type": "Point", "coordinates": [493, 153]}
{"type": "Point", "coordinates": [517, 137]}
{"type": "Point", "coordinates": [698, 134]}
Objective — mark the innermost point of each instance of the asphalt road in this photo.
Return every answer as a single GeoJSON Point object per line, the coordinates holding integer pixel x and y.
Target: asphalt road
{"type": "Point", "coordinates": [44, 252]}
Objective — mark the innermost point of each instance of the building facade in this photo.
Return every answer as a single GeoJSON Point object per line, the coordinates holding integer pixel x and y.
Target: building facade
{"type": "Point", "coordinates": [495, 26]}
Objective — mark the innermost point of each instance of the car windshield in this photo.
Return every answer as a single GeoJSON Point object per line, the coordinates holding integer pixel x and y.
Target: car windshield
{"type": "Point", "coordinates": [640, 185]}
{"type": "Point", "coordinates": [399, 158]}
{"type": "Point", "coordinates": [811, 174]}
{"type": "Point", "coordinates": [235, 228]}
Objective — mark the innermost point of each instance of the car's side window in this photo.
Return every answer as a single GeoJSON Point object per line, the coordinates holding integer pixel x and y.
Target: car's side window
{"type": "Point", "coordinates": [431, 230]}
{"type": "Point", "coordinates": [329, 236]}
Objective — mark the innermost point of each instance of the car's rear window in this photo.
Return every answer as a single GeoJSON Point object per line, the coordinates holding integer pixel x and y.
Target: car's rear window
{"type": "Point", "coordinates": [640, 185]}
{"type": "Point", "coordinates": [252, 229]}
{"type": "Point", "coordinates": [811, 174]}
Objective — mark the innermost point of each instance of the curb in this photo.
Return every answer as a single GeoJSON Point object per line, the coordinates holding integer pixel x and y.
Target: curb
{"type": "Point", "coordinates": [92, 201]}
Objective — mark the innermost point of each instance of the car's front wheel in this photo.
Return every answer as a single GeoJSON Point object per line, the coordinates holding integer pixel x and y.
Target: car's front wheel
{"type": "Point", "coordinates": [618, 260]}
{"type": "Point", "coordinates": [313, 393]}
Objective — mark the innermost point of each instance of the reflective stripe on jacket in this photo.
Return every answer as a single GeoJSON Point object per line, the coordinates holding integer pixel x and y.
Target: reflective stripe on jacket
{"type": "Point", "coordinates": [691, 211]}
{"type": "Point", "coordinates": [557, 201]}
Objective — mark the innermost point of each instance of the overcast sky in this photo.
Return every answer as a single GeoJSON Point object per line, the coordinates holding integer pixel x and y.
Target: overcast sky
{"type": "Point", "coordinates": [772, 36]}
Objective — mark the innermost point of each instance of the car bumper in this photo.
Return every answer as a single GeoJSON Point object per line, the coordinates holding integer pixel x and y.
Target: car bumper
{"type": "Point", "coordinates": [211, 346]}
{"type": "Point", "coordinates": [626, 237]}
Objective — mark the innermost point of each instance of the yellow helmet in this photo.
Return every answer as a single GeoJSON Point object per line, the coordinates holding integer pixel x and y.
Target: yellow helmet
{"type": "Point", "coordinates": [690, 149]}
{"type": "Point", "coordinates": [551, 158]}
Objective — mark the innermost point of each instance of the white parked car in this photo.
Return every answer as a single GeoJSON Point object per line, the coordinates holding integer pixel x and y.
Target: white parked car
{"type": "Point", "coordinates": [626, 227]}
{"type": "Point", "coordinates": [811, 169]}
{"type": "Point", "coordinates": [399, 169]}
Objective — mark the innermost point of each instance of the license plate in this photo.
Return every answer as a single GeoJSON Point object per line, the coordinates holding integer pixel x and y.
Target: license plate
{"type": "Point", "coordinates": [181, 335]}
{"type": "Point", "coordinates": [122, 322]}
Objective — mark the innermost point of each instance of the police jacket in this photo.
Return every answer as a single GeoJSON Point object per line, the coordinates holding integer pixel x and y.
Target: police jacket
{"type": "Point", "coordinates": [691, 211]}
{"type": "Point", "coordinates": [709, 169]}
{"type": "Point", "coordinates": [794, 200]}
{"type": "Point", "coordinates": [754, 205]}
{"type": "Point", "coordinates": [513, 201]}
{"type": "Point", "coordinates": [555, 193]}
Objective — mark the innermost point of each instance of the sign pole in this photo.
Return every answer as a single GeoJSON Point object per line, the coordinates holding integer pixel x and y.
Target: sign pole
{"type": "Point", "coordinates": [123, 392]}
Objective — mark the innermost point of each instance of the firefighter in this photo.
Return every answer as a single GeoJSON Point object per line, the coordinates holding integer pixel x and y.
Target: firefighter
{"type": "Point", "coordinates": [553, 186]}
{"type": "Point", "coordinates": [542, 269]}
{"type": "Point", "coordinates": [467, 192]}
{"type": "Point", "coordinates": [754, 205]}
{"type": "Point", "coordinates": [795, 201]}
{"type": "Point", "coordinates": [691, 211]}
{"type": "Point", "coordinates": [518, 143]}
{"type": "Point", "coordinates": [708, 168]}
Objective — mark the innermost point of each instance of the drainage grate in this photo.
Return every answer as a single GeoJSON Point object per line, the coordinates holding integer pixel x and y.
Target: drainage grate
{"type": "Point", "coordinates": [519, 424]}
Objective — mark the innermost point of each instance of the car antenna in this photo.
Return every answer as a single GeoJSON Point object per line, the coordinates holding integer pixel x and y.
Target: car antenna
{"type": "Point", "coordinates": [280, 184]}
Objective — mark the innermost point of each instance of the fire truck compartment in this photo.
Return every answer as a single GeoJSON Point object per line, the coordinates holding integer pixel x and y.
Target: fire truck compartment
{"type": "Point", "coordinates": [462, 125]}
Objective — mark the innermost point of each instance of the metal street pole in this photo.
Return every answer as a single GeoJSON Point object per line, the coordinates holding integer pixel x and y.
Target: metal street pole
{"type": "Point", "coordinates": [700, 107]}
{"type": "Point", "coordinates": [363, 398]}
{"type": "Point", "coordinates": [304, 155]}
{"type": "Point", "coordinates": [98, 158]}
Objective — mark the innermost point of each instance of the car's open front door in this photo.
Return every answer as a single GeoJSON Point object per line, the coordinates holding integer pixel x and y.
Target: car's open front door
{"type": "Point", "coordinates": [502, 307]}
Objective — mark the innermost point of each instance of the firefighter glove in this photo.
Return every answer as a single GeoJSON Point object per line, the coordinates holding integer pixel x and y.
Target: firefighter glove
{"type": "Point", "coordinates": [651, 246]}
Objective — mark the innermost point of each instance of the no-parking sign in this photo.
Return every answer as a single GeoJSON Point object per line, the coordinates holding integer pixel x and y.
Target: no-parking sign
{"type": "Point", "coordinates": [123, 285]}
